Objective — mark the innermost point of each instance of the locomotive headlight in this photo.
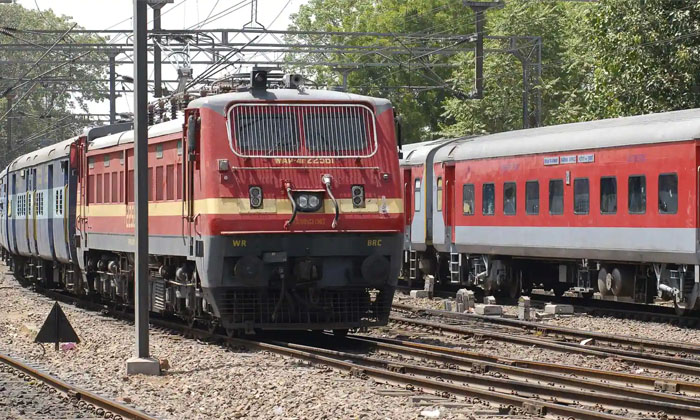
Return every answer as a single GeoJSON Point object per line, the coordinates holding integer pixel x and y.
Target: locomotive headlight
{"type": "Point", "coordinates": [358, 196]}
{"type": "Point", "coordinates": [303, 201]}
{"type": "Point", "coordinates": [313, 201]}
{"type": "Point", "coordinates": [307, 202]}
{"type": "Point", "coordinates": [256, 197]}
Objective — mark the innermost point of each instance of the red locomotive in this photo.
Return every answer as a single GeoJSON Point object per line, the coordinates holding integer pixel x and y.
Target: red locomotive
{"type": "Point", "coordinates": [608, 206]}
{"type": "Point", "coordinates": [268, 208]}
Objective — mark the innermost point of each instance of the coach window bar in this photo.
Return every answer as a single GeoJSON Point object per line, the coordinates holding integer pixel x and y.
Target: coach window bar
{"type": "Point", "coordinates": [532, 197]}
{"type": "Point", "coordinates": [668, 193]}
{"type": "Point", "coordinates": [581, 196]}
{"type": "Point", "coordinates": [637, 194]}
{"type": "Point", "coordinates": [556, 196]}
{"type": "Point", "coordinates": [608, 195]}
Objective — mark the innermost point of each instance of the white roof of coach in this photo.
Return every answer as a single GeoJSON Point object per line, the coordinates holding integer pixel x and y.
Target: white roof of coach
{"type": "Point", "coordinates": [124, 137]}
{"type": "Point", "coordinates": [626, 131]}
{"type": "Point", "coordinates": [45, 154]}
{"type": "Point", "coordinates": [417, 153]}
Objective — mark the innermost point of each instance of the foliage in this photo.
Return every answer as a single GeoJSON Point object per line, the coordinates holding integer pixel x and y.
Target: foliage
{"type": "Point", "coordinates": [43, 110]}
{"type": "Point", "coordinates": [599, 60]}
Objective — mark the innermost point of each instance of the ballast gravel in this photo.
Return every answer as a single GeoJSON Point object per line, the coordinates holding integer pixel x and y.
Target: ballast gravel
{"type": "Point", "coordinates": [204, 381]}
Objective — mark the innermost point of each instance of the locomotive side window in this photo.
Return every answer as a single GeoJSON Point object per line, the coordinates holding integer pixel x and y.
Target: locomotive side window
{"type": "Point", "coordinates": [509, 196]}
{"type": "Point", "coordinates": [668, 193]}
{"type": "Point", "coordinates": [637, 194]}
{"type": "Point", "coordinates": [417, 195]}
{"type": "Point", "coordinates": [439, 194]}
{"type": "Point", "coordinates": [532, 197]}
{"type": "Point", "coordinates": [130, 187]}
{"type": "Point", "coordinates": [98, 189]}
{"type": "Point", "coordinates": [608, 195]}
{"type": "Point", "coordinates": [468, 199]}
{"type": "Point", "coordinates": [488, 199]}
{"type": "Point", "coordinates": [556, 196]}
{"type": "Point", "coordinates": [581, 196]}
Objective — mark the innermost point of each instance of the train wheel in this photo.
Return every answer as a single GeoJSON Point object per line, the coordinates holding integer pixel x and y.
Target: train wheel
{"type": "Point", "coordinates": [515, 285]}
{"type": "Point", "coordinates": [340, 333]}
{"type": "Point", "coordinates": [604, 282]}
{"type": "Point", "coordinates": [692, 302]}
{"type": "Point", "coordinates": [622, 281]}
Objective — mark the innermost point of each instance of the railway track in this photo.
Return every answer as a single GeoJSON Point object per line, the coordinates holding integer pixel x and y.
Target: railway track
{"type": "Point", "coordinates": [72, 401]}
{"type": "Point", "coordinates": [658, 362]}
{"type": "Point", "coordinates": [529, 387]}
{"type": "Point", "coordinates": [572, 335]}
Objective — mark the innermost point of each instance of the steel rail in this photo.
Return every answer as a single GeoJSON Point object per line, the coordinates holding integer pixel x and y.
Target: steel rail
{"type": "Point", "coordinates": [508, 385]}
{"type": "Point", "coordinates": [569, 376]}
{"type": "Point", "coordinates": [76, 392]}
{"type": "Point", "coordinates": [668, 364]}
{"type": "Point", "coordinates": [541, 328]}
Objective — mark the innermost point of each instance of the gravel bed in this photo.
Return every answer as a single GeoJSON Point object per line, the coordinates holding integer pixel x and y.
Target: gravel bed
{"type": "Point", "coordinates": [651, 330]}
{"type": "Point", "coordinates": [604, 324]}
{"type": "Point", "coordinates": [203, 381]}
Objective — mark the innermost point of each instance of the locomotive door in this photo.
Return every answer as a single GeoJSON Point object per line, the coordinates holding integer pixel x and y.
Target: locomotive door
{"type": "Point", "coordinates": [189, 141]}
{"type": "Point", "coordinates": [449, 205]}
{"type": "Point", "coordinates": [407, 198]}
{"type": "Point", "coordinates": [81, 220]}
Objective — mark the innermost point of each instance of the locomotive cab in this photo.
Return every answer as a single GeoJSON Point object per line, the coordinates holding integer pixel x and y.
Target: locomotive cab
{"type": "Point", "coordinates": [295, 207]}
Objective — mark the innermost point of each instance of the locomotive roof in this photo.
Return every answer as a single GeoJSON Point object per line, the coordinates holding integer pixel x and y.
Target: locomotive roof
{"type": "Point", "coordinates": [124, 137]}
{"type": "Point", "coordinates": [417, 153]}
{"type": "Point", "coordinates": [642, 129]}
{"type": "Point", "coordinates": [45, 154]}
{"type": "Point", "coordinates": [219, 103]}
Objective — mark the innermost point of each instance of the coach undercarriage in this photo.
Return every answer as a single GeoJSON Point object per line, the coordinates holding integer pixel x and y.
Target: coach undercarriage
{"type": "Point", "coordinates": [608, 280]}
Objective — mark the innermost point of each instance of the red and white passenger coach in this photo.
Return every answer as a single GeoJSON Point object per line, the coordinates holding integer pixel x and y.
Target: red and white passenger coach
{"type": "Point", "coordinates": [608, 206]}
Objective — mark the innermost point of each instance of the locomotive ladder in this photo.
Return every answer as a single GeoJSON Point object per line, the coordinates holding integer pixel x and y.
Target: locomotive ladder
{"type": "Point", "coordinates": [412, 265]}
{"type": "Point", "coordinates": [454, 267]}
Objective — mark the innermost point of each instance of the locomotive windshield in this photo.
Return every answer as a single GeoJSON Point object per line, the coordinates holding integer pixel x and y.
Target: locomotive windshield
{"type": "Point", "coordinates": [296, 130]}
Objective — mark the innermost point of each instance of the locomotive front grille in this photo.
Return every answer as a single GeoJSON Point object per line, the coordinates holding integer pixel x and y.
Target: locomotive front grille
{"type": "Point", "coordinates": [264, 307]}
{"type": "Point", "coordinates": [302, 130]}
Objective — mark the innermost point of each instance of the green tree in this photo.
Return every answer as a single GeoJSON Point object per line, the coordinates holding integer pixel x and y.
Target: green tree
{"type": "Point", "coordinates": [404, 83]}
{"type": "Point", "coordinates": [645, 57]}
{"type": "Point", "coordinates": [43, 110]}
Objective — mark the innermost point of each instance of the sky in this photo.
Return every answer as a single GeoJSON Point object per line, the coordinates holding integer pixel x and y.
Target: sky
{"type": "Point", "coordinates": [116, 14]}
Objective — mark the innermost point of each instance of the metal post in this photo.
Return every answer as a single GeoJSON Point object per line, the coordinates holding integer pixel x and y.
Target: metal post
{"type": "Point", "coordinates": [157, 79]}
{"type": "Point", "coordinates": [141, 363]}
{"type": "Point", "coordinates": [479, 7]}
{"type": "Point", "coordinates": [479, 52]}
{"type": "Point", "coordinates": [112, 88]}
{"type": "Point", "coordinates": [9, 124]}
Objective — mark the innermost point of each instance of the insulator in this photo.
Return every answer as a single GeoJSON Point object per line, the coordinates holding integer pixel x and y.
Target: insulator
{"type": "Point", "coordinates": [173, 108]}
{"type": "Point", "coordinates": [151, 114]}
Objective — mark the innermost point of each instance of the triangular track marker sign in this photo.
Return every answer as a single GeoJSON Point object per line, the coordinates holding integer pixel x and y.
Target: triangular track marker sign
{"type": "Point", "coordinates": [56, 328]}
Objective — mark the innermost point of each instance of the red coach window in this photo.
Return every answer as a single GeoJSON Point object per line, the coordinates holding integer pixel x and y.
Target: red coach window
{"type": "Point", "coordinates": [668, 193]}
{"type": "Point", "coordinates": [468, 199]}
{"type": "Point", "coordinates": [532, 197]}
{"type": "Point", "coordinates": [556, 196]}
{"type": "Point", "coordinates": [637, 194]}
{"type": "Point", "coordinates": [509, 198]}
{"type": "Point", "coordinates": [608, 195]}
{"type": "Point", "coordinates": [488, 199]}
{"type": "Point", "coordinates": [581, 196]}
